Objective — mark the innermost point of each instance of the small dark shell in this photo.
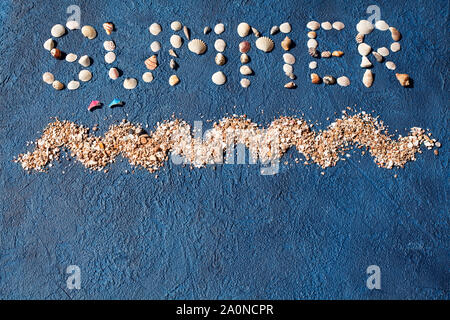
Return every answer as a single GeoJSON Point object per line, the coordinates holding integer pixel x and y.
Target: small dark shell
{"type": "Point", "coordinates": [329, 80]}
{"type": "Point", "coordinates": [313, 52]}
{"type": "Point", "coordinates": [56, 53]}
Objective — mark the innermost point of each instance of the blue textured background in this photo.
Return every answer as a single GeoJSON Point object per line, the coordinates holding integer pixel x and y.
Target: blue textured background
{"type": "Point", "coordinates": [227, 233]}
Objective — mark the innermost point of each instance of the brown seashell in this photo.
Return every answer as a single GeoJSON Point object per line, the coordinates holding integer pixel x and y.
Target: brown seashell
{"type": "Point", "coordinates": [244, 47]}
{"type": "Point", "coordinates": [359, 38]}
{"type": "Point", "coordinates": [315, 78]}
{"type": "Point", "coordinates": [395, 34]}
{"type": "Point", "coordinates": [151, 63]}
{"type": "Point", "coordinates": [109, 27]}
{"type": "Point", "coordinates": [325, 54]}
{"type": "Point", "coordinates": [286, 44]}
{"type": "Point", "coordinates": [403, 78]}
{"type": "Point", "coordinates": [313, 52]}
{"type": "Point", "coordinates": [290, 85]}
{"type": "Point", "coordinates": [337, 54]}
{"type": "Point", "coordinates": [312, 34]}
{"type": "Point", "coordinates": [56, 53]}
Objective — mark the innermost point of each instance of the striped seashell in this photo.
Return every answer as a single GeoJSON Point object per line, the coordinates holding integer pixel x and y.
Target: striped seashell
{"type": "Point", "coordinates": [359, 38]}
{"type": "Point", "coordinates": [325, 54]}
{"type": "Point", "coordinates": [151, 63]}
{"type": "Point", "coordinates": [313, 52]}
{"type": "Point", "coordinates": [197, 46]}
{"type": "Point", "coordinates": [265, 44]}
{"type": "Point", "coordinates": [109, 27]}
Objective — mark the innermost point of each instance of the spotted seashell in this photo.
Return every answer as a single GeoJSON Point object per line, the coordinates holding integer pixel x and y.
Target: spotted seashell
{"type": "Point", "coordinates": [109, 27]}
{"type": "Point", "coordinates": [109, 45]}
{"type": "Point", "coordinates": [89, 32]}
{"type": "Point", "coordinates": [173, 80]}
{"type": "Point", "coordinates": [286, 44]}
{"type": "Point", "coordinates": [368, 78]}
{"type": "Point", "coordinates": [57, 85]}
{"type": "Point", "coordinates": [56, 53]}
{"type": "Point", "coordinates": [85, 75]}
{"type": "Point", "coordinates": [359, 38]}
{"type": "Point", "coordinates": [315, 78]}
{"type": "Point", "coordinates": [151, 63]}
{"type": "Point", "coordinates": [244, 47]}
{"type": "Point", "coordinates": [325, 54]}
{"type": "Point", "coordinates": [197, 46]}
{"type": "Point", "coordinates": [220, 59]}
{"type": "Point", "coordinates": [265, 44]}
{"type": "Point", "coordinates": [113, 73]}
{"type": "Point", "coordinates": [395, 34]}
{"type": "Point", "coordinates": [176, 41]}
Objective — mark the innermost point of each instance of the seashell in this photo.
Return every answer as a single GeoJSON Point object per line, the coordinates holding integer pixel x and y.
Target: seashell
{"type": "Point", "coordinates": [359, 38]}
{"type": "Point", "coordinates": [288, 69]}
{"type": "Point", "coordinates": [220, 59]}
{"type": "Point", "coordinates": [49, 44]}
{"type": "Point", "coordinates": [364, 27]}
{"type": "Point", "coordinates": [292, 76]}
{"type": "Point", "coordinates": [330, 80]}
{"type": "Point", "coordinates": [197, 46]}
{"type": "Point", "coordinates": [175, 26]}
{"type": "Point", "coordinates": [313, 25]}
{"type": "Point", "coordinates": [73, 85]}
{"type": "Point", "coordinates": [155, 46]}
{"type": "Point", "coordinates": [391, 65]}
{"type": "Point", "coordinates": [338, 25]}
{"type": "Point", "coordinates": [115, 103]}
{"type": "Point", "coordinates": [312, 43]}
{"type": "Point", "coordinates": [243, 29]}
{"type": "Point", "coordinates": [48, 78]}
{"type": "Point", "coordinates": [244, 47]}
{"type": "Point", "coordinates": [94, 104]}
{"type": "Point", "coordinates": [220, 45]}
{"type": "Point", "coordinates": [108, 27]}
{"type": "Point", "coordinates": [130, 83]}
{"type": "Point", "coordinates": [57, 85]}
{"type": "Point", "coordinates": [383, 51]}
{"type": "Point", "coordinates": [274, 30]}
{"type": "Point", "coordinates": [245, 83]}
{"type": "Point", "coordinates": [337, 53]}
{"type": "Point", "coordinates": [290, 85]}
{"type": "Point", "coordinates": [286, 44]}
{"type": "Point", "coordinates": [113, 73]}
{"type": "Point", "coordinates": [285, 27]}
{"type": "Point", "coordinates": [173, 80]}
{"type": "Point", "coordinates": [151, 63]}
{"type": "Point", "coordinates": [264, 44]}
{"type": "Point", "coordinates": [219, 78]}
{"type": "Point", "coordinates": [325, 54]}
{"type": "Point", "coordinates": [110, 57]}
{"type": "Point", "coordinates": [187, 33]}
{"type": "Point", "coordinates": [288, 58]}
{"type": "Point", "coordinates": [58, 30]}
{"type": "Point", "coordinates": [381, 25]}
{"type": "Point", "coordinates": [365, 62]}
{"type": "Point", "coordinates": [89, 32]}
{"type": "Point", "coordinates": [173, 53]}
{"type": "Point", "coordinates": [395, 34]}
{"type": "Point", "coordinates": [85, 61]}
{"type": "Point", "coordinates": [71, 57]}
{"type": "Point", "coordinates": [245, 70]}
{"type": "Point", "coordinates": [219, 28]}
{"type": "Point", "coordinates": [313, 52]}
{"type": "Point", "coordinates": [256, 33]}
{"type": "Point", "coordinates": [147, 77]}
{"type": "Point", "coordinates": [395, 46]}
{"type": "Point", "coordinates": [377, 56]}
{"type": "Point", "coordinates": [312, 35]}
{"type": "Point", "coordinates": [244, 58]}
{"type": "Point", "coordinates": [72, 25]}
{"type": "Point", "coordinates": [315, 78]}
{"type": "Point", "coordinates": [364, 49]}
{"type": "Point", "coordinates": [144, 139]}
{"type": "Point", "coordinates": [56, 53]}
{"type": "Point", "coordinates": [155, 28]}
{"type": "Point", "coordinates": [343, 81]}
{"type": "Point", "coordinates": [326, 25]}
{"type": "Point", "coordinates": [312, 65]}
{"type": "Point", "coordinates": [109, 45]}
{"type": "Point", "coordinates": [173, 64]}
{"type": "Point", "coordinates": [368, 78]}
{"type": "Point", "coordinates": [176, 41]}
{"type": "Point", "coordinates": [206, 30]}
{"type": "Point", "coordinates": [85, 75]}
{"type": "Point", "coordinates": [403, 78]}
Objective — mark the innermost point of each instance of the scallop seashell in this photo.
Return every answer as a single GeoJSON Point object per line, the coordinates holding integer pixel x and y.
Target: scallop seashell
{"type": "Point", "coordinates": [395, 34]}
{"type": "Point", "coordinates": [243, 29]}
{"type": "Point", "coordinates": [85, 75]}
{"type": "Point", "coordinates": [89, 32]}
{"type": "Point", "coordinates": [312, 35]}
{"type": "Point", "coordinates": [49, 44]}
{"type": "Point", "coordinates": [245, 83]}
{"type": "Point", "coordinates": [313, 25]}
{"type": "Point", "coordinates": [290, 85]}
{"type": "Point", "coordinates": [285, 27]}
{"type": "Point", "coordinates": [173, 80]}
{"type": "Point", "coordinates": [245, 70]}
{"type": "Point", "coordinates": [337, 53]}
{"type": "Point", "coordinates": [244, 58]}
{"type": "Point", "coordinates": [395, 46]}
{"type": "Point", "coordinates": [403, 78]}
{"type": "Point", "coordinates": [155, 29]}
{"type": "Point", "coordinates": [113, 73]}
{"type": "Point", "coordinates": [383, 51]}
{"type": "Point", "coordinates": [57, 85]}
{"type": "Point", "coordinates": [244, 47]}
{"type": "Point", "coordinates": [220, 45]}
{"type": "Point", "coordinates": [256, 33]}
{"type": "Point", "coordinates": [264, 44]}
{"type": "Point", "coordinates": [110, 57]}
{"type": "Point", "coordinates": [288, 58]}
{"type": "Point", "coordinates": [315, 78]}
{"type": "Point", "coordinates": [312, 65]}
{"type": "Point", "coordinates": [130, 83]}
{"type": "Point", "coordinates": [364, 49]}
{"type": "Point", "coordinates": [219, 78]}
{"type": "Point", "coordinates": [381, 25]}
{"type": "Point", "coordinates": [312, 43]}
{"type": "Point", "coordinates": [391, 65]}
{"type": "Point", "coordinates": [197, 46]}
{"type": "Point", "coordinates": [108, 27]}
{"type": "Point", "coordinates": [368, 78]}
{"type": "Point", "coordinates": [48, 78]}
{"type": "Point", "coordinates": [364, 27]}
{"type": "Point", "coordinates": [286, 44]}
{"type": "Point", "coordinates": [359, 38]}
{"type": "Point", "coordinates": [219, 28]}
{"type": "Point", "coordinates": [343, 81]}
{"type": "Point", "coordinates": [338, 25]}
{"type": "Point", "coordinates": [173, 53]}
{"type": "Point", "coordinates": [173, 64]}
{"type": "Point", "coordinates": [176, 26]}
{"type": "Point", "coordinates": [365, 62]}
{"type": "Point", "coordinates": [109, 45]}
{"type": "Point", "coordinates": [274, 30]}
{"type": "Point", "coordinates": [56, 53]}
{"type": "Point", "coordinates": [206, 30]}
{"type": "Point", "coordinates": [176, 41]}
{"type": "Point", "coordinates": [151, 63]}
{"type": "Point", "coordinates": [155, 46]}
{"type": "Point", "coordinates": [85, 61]}
{"type": "Point", "coordinates": [58, 30]}
{"type": "Point", "coordinates": [377, 56]}
{"type": "Point", "coordinates": [326, 25]}
{"type": "Point", "coordinates": [325, 54]}
{"type": "Point", "coordinates": [73, 85]}
{"type": "Point", "coordinates": [288, 69]}
{"type": "Point", "coordinates": [329, 80]}
{"type": "Point", "coordinates": [72, 25]}
{"type": "Point", "coordinates": [187, 33]}
{"type": "Point", "coordinates": [147, 77]}
{"type": "Point", "coordinates": [220, 59]}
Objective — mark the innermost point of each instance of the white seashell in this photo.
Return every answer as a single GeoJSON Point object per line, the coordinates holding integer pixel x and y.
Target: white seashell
{"type": "Point", "coordinates": [110, 57]}
{"type": "Point", "coordinates": [364, 49]}
{"type": "Point", "coordinates": [264, 44]}
{"type": "Point", "coordinates": [49, 44]}
{"type": "Point", "coordinates": [359, 38]}
{"type": "Point", "coordinates": [219, 78]}
{"type": "Point", "coordinates": [364, 27]}
{"type": "Point", "coordinates": [313, 25]}
{"type": "Point", "coordinates": [245, 70]}
{"type": "Point", "coordinates": [338, 25]}
{"type": "Point", "coordinates": [85, 61]}
{"type": "Point", "coordinates": [173, 80]}
{"type": "Point", "coordinates": [381, 25]}
{"type": "Point", "coordinates": [155, 46]}
{"type": "Point", "coordinates": [72, 25]}
{"type": "Point", "coordinates": [206, 30]}
{"type": "Point", "coordinates": [326, 25]}
{"type": "Point", "coordinates": [243, 29]}
{"type": "Point", "coordinates": [219, 28]}
{"type": "Point", "coordinates": [220, 45]}
{"type": "Point", "coordinates": [48, 78]}
{"type": "Point", "coordinates": [57, 85]}
{"type": "Point", "coordinates": [343, 81]}
{"type": "Point", "coordinates": [197, 46]}
{"type": "Point", "coordinates": [245, 83]}
{"type": "Point", "coordinates": [173, 53]}
{"type": "Point", "coordinates": [244, 58]}
{"type": "Point", "coordinates": [176, 41]}
{"type": "Point", "coordinates": [155, 29]}
{"type": "Point", "coordinates": [147, 77]}
{"type": "Point", "coordinates": [113, 73]}
{"type": "Point", "coordinates": [285, 27]}
{"type": "Point", "coordinates": [85, 75]}
{"type": "Point", "coordinates": [220, 59]}
{"type": "Point", "coordinates": [176, 26]}
{"type": "Point", "coordinates": [274, 30]}
{"type": "Point", "coordinates": [73, 85]}
{"type": "Point", "coordinates": [187, 33]}
{"type": "Point", "coordinates": [256, 33]}
{"type": "Point", "coordinates": [288, 69]}
{"type": "Point", "coordinates": [109, 45]}
{"type": "Point", "coordinates": [89, 32]}
{"type": "Point", "coordinates": [312, 43]}
{"type": "Point", "coordinates": [391, 65]}
{"type": "Point", "coordinates": [58, 30]}
{"type": "Point", "coordinates": [395, 47]}
{"type": "Point", "coordinates": [130, 83]}
{"type": "Point", "coordinates": [365, 62]}
{"type": "Point", "coordinates": [383, 51]}
{"type": "Point", "coordinates": [313, 65]}
{"type": "Point", "coordinates": [368, 78]}
{"type": "Point", "coordinates": [288, 58]}
{"type": "Point", "coordinates": [173, 64]}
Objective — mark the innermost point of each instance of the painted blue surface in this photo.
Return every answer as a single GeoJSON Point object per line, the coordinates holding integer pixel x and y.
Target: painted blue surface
{"type": "Point", "coordinates": [228, 233]}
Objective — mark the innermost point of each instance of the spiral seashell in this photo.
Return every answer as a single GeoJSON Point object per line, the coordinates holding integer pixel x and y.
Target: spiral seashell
{"type": "Point", "coordinates": [109, 27]}
{"type": "Point", "coordinates": [395, 34]}
{"type": "Point", "coordinates": [265, 44]}
{"type": "Point", "coordinates": [197, 46]}
{"type": "Point", "coordinates": [151, 63]}
{"type": "Point", "coordinates": [286, 44]}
